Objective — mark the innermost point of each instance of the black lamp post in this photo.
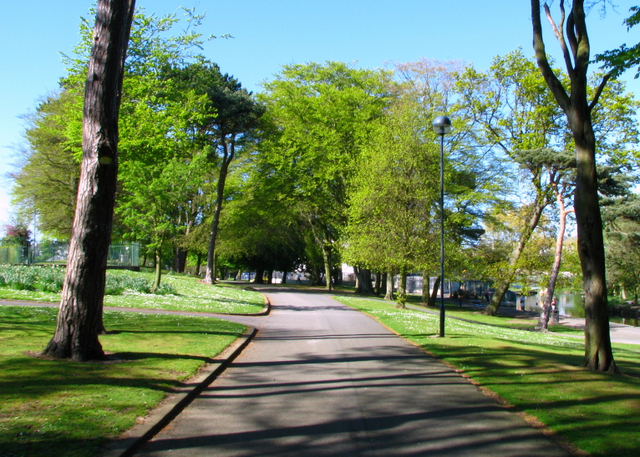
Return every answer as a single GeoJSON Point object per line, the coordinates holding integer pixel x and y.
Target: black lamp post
{"type": "Point", "coordinates": [442, 126]}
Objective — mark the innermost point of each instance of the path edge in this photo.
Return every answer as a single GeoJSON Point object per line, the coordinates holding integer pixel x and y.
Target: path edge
{"type": "Point", "coordinates": [162, 415]}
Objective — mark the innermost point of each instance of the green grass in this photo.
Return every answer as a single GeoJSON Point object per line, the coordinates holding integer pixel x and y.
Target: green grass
{"type": "Point", "coordinates": [537, 373]}
{"type": "Point", "coordinates": [191, 296]}
{"type": "Point", "coordinates": [65, 408]}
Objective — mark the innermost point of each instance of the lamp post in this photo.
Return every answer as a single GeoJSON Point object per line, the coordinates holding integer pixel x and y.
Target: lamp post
{"type": "Point", "coordinates": [442, 126]}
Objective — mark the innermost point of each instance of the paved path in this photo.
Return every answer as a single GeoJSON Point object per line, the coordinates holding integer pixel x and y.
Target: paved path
{"type": "Point", "coordinates": [321, 379]}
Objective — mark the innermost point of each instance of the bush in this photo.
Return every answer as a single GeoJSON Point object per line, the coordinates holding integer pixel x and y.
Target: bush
{"type": "Point", "coordinates": [32, 278]}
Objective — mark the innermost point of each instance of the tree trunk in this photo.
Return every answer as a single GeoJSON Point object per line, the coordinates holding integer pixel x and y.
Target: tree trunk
{"type": "Point", "coordinates": [179, 260]}
{"type": "Point", "coordinates": [425, 287]}
{"type": "Point", "coordinates": [80, 315]}
{"type": "Point", "coordinates": [284, 278]}
{"type": "Point", "coordinates": [326, 257]}
{"type": "Point", "coordinates": [365, 285]}
{"type": "Point", "coordinates": [402, 289]}
{"type": "Point", "coordinates": [228, 154]}
{"type": "Point", "coordinates": [598, 353]}
{"type": "Point", "coordinates": [577, 108]}
{"type": "Point", "coordinates": [157, 277]}
{"type": "Point", "coordinates": [503, 284]}
{"type": "Point", "coordinates": [378, 283]}
{"type": "Point", "coordinates": [389, 292]}
{"type": "Point", "coordinates": [259, 276]}
{"type": "Point", "coordinates": [383, 284]}
{"type": "Point", "coordinates": [434, 294]}
{"type": "Point", "coordinates": [198, 264]}
{"type": "Point", "coordinates": [543, 322]}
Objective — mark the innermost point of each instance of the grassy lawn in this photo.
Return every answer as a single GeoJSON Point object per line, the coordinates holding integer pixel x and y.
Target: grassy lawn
{"type": "Point", "coordinates": [66, 408]}
{"type": "Point", "coordinates": [537, 373]}
{"type": "Point", "coordinates": [191, 296]}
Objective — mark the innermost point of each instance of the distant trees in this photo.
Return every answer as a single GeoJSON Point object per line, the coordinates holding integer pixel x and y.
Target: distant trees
{"type": "Point", "coordinates": [321, 117]}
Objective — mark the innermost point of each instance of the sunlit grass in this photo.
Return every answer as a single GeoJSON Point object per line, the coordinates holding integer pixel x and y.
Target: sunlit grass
{"type": "Point", "coordinates": [191, 296]}
{"type": "Point", "coordinates": [65, 408]}
{"type": "Point", "coordinates": [539, 373]}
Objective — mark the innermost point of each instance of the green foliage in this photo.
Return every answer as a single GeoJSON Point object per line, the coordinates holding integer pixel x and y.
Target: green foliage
{"type": "Point", "coordinates": [45, 279]}
{"type": "Point", "coordinates": [48, 279]}
{"type": "Point", "coordinates": [617, 61]}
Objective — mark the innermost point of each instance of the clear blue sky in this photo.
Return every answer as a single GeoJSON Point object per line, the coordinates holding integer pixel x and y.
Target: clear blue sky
{"type": "Point", "coordinates": [271, 33]}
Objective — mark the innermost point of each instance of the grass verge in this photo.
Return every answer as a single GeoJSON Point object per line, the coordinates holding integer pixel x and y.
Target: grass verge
{"type": "Point", "coordinates": [537, 373]}
{"type": "Point", "coordinates": [65, 408]}
{"type": "Point", "coordinates": [191, 296]}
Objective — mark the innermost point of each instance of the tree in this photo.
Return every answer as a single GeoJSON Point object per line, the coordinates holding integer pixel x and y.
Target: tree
{"type": "Point", "coordinates": [80, 315]}
{"type": "Point", "coordinates": [515, 117]}
{"type": "Point", "coordinates": [232, 117]}
{"type": "Point", "coordinates": [321, 117]}
{"type": "Point", "coordinates": [393, 212]}
{"type": "Point", "coordinates": [578, 109]}
{"type": "Point", "coordinates": [46, 183]}
{"type": "Point", "coordinates": [623, 58]}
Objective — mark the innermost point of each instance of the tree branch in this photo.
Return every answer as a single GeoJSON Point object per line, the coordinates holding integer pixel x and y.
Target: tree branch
{"type": "Point", "coordinates": [541, 56]}
{"type": "Point", "coordinates": [557, 31]}
{"type": "Point", "coordinates": [599, 90]}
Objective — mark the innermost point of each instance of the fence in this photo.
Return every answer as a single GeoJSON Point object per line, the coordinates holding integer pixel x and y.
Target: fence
{"type": "Point", "coordinates": [120, 254]}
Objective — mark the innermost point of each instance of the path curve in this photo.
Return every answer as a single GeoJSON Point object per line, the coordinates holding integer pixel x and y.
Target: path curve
{"type": "Point", "coordinates": [321, 379]}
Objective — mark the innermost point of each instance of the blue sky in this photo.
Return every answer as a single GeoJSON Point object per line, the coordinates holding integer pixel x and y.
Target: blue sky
{"type": "Point", "coordinates": [271, 33]}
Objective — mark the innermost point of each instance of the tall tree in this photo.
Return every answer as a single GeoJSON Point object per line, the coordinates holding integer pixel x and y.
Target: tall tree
{"type": "Point", "coordinates": [233, 116]}
{"type": "Point", "coordinates": [322, 115]}
{"type": "Point", "coordinates": [577, 107]}
{"type": "Point", "coordinates": [80, 315]}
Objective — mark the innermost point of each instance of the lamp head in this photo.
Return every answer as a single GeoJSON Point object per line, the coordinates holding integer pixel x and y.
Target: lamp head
{"type": "Point", "coordinates": [442, 125]}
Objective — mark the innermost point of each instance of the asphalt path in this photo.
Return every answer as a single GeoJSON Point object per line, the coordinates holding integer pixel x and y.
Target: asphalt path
{"type": "Point", "coordinates": [321, 379]}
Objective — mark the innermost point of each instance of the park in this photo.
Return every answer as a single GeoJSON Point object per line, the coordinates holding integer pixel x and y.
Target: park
{"type": "Point", "coordinates": [158, 312]}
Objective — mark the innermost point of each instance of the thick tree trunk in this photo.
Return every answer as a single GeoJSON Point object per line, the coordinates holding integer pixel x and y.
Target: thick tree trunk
{"type": "Point", "coordinates": [577, 108]}
{"type": "Point", "coordinates": [365, 284]}
{"type": "Point", "coordinates": [80, 315]}
{"type": "Point", "coordinates": [179, 260]}
{"type": "Point", "coordinates": [389, 292]}
{"type": "Point", "coordinates": [259, 276]}
{"type": "Point", "coordinates": [598, 353]}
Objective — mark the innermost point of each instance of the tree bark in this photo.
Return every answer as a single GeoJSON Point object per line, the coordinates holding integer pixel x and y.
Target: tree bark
{"type": "Point", "coordinates": [179, 259]}
{"type": "Point", "coordinates": [543, 322]}
{"type": "Point", "coordinates": [80, 315]}
{"type": "Point", "coordinates": [577, 108]}
{"type": "Point", "coordinates": [503, 285]}
{"type": "Point", "coordinates": [389, 292]}
{"type": "Point", "coordinates": [434, 295]}
{"type": "Point", "coordinates": [365, 285]}
{"type": "Point", "coordinates": [228, 154]}
{"type": "Point", "coordinates": [157, 277]}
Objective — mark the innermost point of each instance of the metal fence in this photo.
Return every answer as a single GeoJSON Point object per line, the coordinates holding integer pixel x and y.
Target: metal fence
{"type": "Point", "coordinates": [120, 254]}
